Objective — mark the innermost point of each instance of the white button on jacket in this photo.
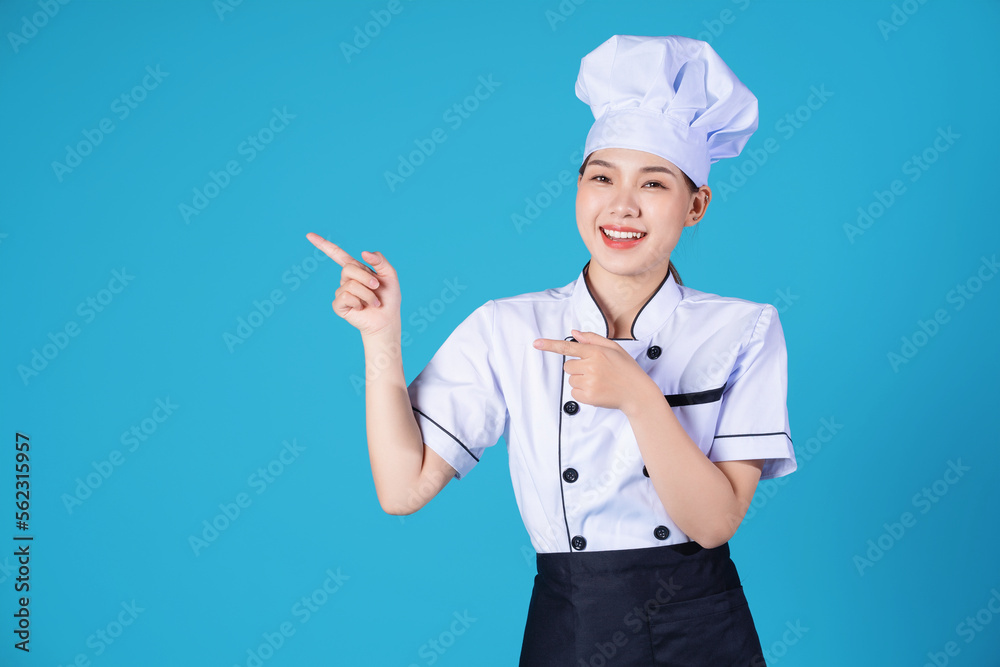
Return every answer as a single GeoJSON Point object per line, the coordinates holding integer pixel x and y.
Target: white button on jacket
{"type": "Point", "coordinates": [578, 476]}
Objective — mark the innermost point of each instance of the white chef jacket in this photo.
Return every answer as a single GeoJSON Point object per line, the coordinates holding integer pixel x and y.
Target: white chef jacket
{"type": "Point", "coordinates": [577, 473]}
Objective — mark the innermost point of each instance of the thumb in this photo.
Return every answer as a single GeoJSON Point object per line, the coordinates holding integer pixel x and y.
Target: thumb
{"type": "Point", "coordinates": [378, 260]}
{"type": "Point", "coordinates": [586, 335]}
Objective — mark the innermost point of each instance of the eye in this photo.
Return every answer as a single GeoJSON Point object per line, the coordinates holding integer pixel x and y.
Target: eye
{"type": "Point", "coordinates": [656, 183]}
{"type": "Point", "coordinates": [600, 176]}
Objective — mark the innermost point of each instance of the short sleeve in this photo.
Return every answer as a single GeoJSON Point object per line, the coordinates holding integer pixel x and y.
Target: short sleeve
{"type": "Point", "coordinates": [753, 417]}
{"type": "Point", "coordinates": [456, 398]}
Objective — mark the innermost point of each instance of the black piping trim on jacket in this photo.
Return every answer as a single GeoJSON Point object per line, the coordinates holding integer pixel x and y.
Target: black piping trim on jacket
{"type": "Point", "coordinates": [636, 318]}
{"type": "Point", "coordinates": [695, 397]}
{"type": "Point", "coordinates": [749, 435]}
{"type": "Point", "coordinates": [449, 433]}
{"type": "Point", "coordinates": [562, 496]}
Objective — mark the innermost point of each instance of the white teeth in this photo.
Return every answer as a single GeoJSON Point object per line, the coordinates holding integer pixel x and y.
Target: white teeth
{"type": "Point", "coordinates": [622, 235]}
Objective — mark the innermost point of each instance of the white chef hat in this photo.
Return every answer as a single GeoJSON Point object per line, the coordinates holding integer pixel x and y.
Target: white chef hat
{"type": "Point", "coordinates": [670, 96]}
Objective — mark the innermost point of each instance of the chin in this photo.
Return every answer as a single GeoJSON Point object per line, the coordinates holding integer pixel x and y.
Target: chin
{"type": "Point", "coordinates": [629, 265]}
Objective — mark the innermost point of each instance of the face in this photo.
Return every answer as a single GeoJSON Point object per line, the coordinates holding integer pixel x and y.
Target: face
{"type": "Point", "coordinates": [633, 191]}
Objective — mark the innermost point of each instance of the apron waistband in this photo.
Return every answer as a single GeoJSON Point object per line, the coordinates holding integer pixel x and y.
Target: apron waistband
{"type": "Point", "coordinates": [562, 563]}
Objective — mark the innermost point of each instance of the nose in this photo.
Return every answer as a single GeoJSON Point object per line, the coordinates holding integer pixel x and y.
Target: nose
{"type": "Point", "coordinates": [624, 204]}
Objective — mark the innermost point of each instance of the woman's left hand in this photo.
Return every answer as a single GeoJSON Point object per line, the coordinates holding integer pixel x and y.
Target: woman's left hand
{"type": "Point", "coordinates": [604, 375]}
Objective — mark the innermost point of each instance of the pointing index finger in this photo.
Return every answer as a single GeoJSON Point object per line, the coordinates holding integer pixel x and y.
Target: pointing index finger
{"type": "Point", "coordinates": [565, 347]}
{"type": "Point", "coordinates": [333, 251]}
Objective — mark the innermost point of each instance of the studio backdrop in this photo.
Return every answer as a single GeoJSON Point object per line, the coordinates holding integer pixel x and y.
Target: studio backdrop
{"type": "Point", "coordinates": [186, 475]}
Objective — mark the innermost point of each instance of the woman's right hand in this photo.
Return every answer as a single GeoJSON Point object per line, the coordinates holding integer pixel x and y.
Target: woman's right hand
{"type": "Point", "coordinates": [369, 307]}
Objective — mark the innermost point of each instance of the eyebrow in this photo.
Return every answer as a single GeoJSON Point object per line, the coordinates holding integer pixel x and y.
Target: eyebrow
{"type": "Point", "coordinates": [644, 170]}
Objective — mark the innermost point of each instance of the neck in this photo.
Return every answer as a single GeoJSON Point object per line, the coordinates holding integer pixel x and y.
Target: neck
{"type": "Point", "coordinates": [620, 297]}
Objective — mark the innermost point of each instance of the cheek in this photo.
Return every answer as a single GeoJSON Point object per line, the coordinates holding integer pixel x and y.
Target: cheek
{"type": "Point", "coordinates": [672, 215]}
{"type": "Point", "coordinates": [587, 204]}
{"type": "Point", "coordinates": [582, 208]}
{"type": "Point", "coordinates": [668, 208]}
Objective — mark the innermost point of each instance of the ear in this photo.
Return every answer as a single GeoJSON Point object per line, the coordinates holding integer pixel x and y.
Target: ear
{"type": "Point", "coordinates": [699, 204]}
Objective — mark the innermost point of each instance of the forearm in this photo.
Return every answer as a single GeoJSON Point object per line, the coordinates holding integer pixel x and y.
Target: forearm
{"type": "Point", "coordinates": [395, 444]}
{"type": "Point", "coordinates": [698, 497]}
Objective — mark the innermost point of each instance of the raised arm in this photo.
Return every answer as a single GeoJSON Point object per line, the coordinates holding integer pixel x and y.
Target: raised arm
{"type": "Point", "coordinates": [407, 473]}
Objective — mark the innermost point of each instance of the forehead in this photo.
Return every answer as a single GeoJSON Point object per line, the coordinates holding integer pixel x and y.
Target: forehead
{"type": "Point", "coordinates": [629, 159]}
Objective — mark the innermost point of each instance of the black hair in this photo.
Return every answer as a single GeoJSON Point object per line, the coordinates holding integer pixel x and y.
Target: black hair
{"type": "Point", "coordinates": [691, 186]}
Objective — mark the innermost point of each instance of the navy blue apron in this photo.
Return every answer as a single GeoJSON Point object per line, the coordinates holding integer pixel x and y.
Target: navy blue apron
{"type": "Point", "coordinates": [680, 605]}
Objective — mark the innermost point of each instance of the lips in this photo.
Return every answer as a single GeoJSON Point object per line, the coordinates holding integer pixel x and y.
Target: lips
{"type": "Point", "coordinates": [622, 243]}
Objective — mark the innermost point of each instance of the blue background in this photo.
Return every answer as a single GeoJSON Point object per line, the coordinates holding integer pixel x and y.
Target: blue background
{"type": "Point", "coordinates": [778, 235]}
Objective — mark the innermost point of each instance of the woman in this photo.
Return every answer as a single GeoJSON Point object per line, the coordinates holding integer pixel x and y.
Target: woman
{"type": "Point", "coordinates": [639, 413]}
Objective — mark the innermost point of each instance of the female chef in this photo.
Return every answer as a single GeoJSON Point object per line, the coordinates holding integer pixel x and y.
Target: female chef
{"type": "Point", "coordinates": [639, 413]}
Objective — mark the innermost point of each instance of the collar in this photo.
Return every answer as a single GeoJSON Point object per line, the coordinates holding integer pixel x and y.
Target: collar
{"type": "Point", "coordinates": [651, 316]}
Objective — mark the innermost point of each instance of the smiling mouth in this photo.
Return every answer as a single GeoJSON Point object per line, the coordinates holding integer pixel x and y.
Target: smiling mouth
{"type": "Point", "coordinates": [622, 236]}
